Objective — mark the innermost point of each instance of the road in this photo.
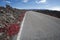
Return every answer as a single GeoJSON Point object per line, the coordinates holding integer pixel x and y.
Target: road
{"type": "Point", "coordinates": [38, 26]}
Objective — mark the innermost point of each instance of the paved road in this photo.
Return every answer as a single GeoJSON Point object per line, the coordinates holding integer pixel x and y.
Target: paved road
{"type": "Point", "coordinates": [39, 26]}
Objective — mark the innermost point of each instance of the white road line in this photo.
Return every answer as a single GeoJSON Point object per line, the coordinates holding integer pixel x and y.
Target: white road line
{"type": "Point", "coordinates": [19, 34]}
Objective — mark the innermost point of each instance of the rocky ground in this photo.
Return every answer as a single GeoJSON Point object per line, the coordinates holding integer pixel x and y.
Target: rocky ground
{"type": "Point", "coordinates": [10, 20]}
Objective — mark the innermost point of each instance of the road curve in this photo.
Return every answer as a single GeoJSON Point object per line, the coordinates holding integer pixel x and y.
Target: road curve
{"type": "Point", "coordinates": [38, 26]}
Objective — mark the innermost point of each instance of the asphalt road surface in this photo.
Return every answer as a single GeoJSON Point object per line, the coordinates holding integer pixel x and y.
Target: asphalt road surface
{"type": "Point", "coordinates": [38, 26]}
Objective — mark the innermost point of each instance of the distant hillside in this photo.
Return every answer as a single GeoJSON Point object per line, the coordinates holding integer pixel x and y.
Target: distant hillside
{"type": "Point", "coordinates": [9, 9]}
{"type": "Point", "coordinates": [18, 11]}
{"type": "Point", "coordinates": [50, 12]}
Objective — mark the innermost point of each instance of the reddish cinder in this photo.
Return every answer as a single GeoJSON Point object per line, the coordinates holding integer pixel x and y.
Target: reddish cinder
{"type": "Point", "coordinates": [13, 29]}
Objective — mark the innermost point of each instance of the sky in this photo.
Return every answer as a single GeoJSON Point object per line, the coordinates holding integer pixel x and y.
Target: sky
{"type": "Point", "coordinates": [32, 4]}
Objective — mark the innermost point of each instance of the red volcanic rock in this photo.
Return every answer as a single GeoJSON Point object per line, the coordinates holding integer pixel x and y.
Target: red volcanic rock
{"type": "Point", "coordinates": [11, 19]}
{"type": "Point", "coordinates": [13, 29]}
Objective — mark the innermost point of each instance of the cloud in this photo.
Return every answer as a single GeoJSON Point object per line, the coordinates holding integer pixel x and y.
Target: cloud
{"type": "Point", "coordinates": [8, 2]}
{"type": "Point", "coordinates": [41, 1]}
{"type": "Point", "coordinates": [55, 8]}
{"type": "Point", "coordinates": [25, 1]}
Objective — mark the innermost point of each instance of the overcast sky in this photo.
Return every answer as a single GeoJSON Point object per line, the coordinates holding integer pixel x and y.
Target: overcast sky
{"type": "Point", "coordinates": [33, 4]}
